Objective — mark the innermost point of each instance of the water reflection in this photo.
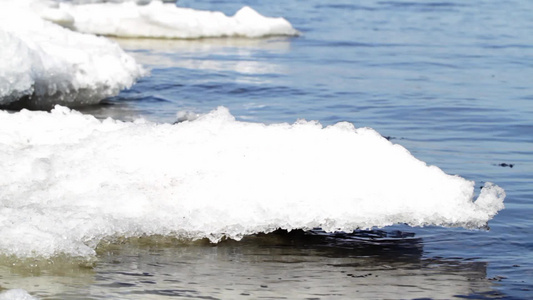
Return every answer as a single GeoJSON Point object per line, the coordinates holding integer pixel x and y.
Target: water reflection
{"type": "Point", "coordinates": [295, 265]}
{"type": "Point", "coordinates": [217, 54]}
{"type": "Point", "coordinates": [209, 45]}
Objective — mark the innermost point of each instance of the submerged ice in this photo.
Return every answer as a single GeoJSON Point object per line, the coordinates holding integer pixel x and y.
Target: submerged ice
{"type": "Point", "coordinates": [16, 294]}
{"type": "Point", "coordinates": [69, 181]}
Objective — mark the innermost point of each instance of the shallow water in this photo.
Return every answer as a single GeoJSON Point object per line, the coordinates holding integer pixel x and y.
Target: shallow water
{"type": "Point", "coordinates": [448, 80]}
{"type": "Point", "coordinates": [274, 266]}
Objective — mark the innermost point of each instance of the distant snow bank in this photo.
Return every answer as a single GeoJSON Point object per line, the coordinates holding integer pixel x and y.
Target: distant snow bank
{"type": "Point", "coordinates": [164, 20]}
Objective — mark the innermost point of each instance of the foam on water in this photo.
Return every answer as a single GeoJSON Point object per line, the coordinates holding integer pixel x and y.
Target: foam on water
{"type": "Point", "coordinates": [165, 20]}
{"type": "Point", "coordinates": [46, 64]}
{"type": "Point", "coordinates": [69, 181]}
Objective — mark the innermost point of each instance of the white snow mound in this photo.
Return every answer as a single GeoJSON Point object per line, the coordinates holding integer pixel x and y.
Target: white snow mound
{"type": "Point", "coordinates": [69, 181]}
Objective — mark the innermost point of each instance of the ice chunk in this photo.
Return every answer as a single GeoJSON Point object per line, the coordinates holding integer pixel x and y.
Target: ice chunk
{"type": "Point", "coordinates": [45, 64]}
{"type": "Point", "coordinates": [186, 115]}
{"type": "Point", "coordinates": [16, 294]}
{"type": "Point", "coordinates": [69, 181]}
{"type": "Point", "coordinates": [166, 20]}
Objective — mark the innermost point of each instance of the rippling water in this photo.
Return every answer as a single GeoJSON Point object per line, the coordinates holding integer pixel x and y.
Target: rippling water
{"type": "Point", "coordinates": [276, 266]}
{"type": "Point", "coordinates": [449, 80]}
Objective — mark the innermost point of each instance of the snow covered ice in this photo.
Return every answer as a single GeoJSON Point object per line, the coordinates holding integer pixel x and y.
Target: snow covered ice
{"type": "Point", "coordinates": [70, 181]}
{"type": "Point", "coordinates": [165, 20]}
{"type": "Point", "coordinates": [48, 64]}
{"type": "Point", "coordinates": [51, 64]}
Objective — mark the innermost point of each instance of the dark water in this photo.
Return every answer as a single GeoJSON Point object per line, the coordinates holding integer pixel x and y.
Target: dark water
{"type": "Point", "coordinates": [449, 80]}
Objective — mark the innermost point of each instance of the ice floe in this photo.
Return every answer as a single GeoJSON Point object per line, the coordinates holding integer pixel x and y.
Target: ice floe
{"type": "Point", "coordinates": [44, 64]}
{"type": "Point", "coordinates": [165, 20]}
{"type": "Point", "coordinates": [69, 181]}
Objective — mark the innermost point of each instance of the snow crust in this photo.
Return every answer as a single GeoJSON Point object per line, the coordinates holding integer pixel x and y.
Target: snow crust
{"type": "Point", "coordinates": [157, 19]}
{"type": "Point", "coordinates": [70, 181]}
{"type": "Point", "coordinates": [45, 64]}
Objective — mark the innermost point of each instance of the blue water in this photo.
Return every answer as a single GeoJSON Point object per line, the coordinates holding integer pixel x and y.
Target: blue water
{"type": "Point", "coordinates": [452, 81]}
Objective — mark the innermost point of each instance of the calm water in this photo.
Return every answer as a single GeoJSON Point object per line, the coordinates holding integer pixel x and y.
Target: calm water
{"type": "Point", "coordinates": [449, 80]}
